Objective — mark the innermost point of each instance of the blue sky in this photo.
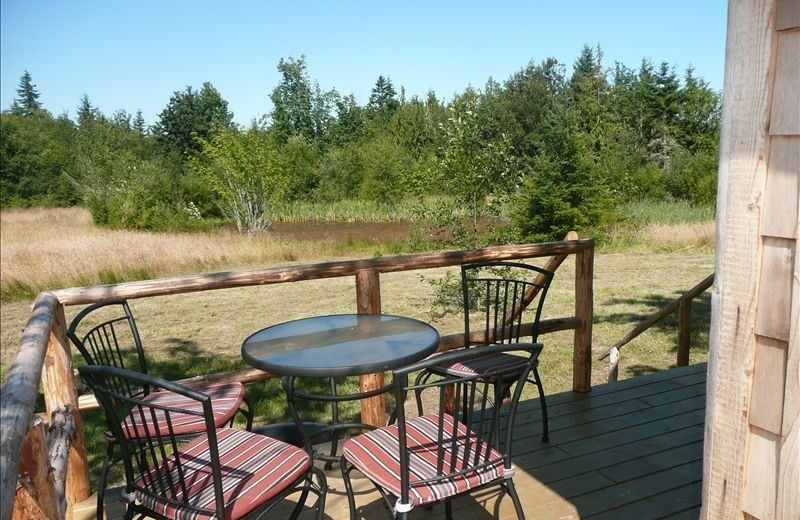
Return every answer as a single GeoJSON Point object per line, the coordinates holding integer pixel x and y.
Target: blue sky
{"type": "Point", "coordinates": [136, 54]}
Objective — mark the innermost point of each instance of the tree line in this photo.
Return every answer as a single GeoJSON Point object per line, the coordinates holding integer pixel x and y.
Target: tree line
{"type": "Point", "coordinates": [550, 148]}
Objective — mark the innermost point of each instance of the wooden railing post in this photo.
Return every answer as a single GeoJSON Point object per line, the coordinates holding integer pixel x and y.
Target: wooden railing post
{"type": "Point", "coordinates": [368, 301]}
{"type": "Point", "coordinates": [58, 384]}
{"type": "Point", "coordinates": [36, 497]}
{"type": "Point", "coordinates": [684, 331]}
{"type": "Point", "coordinates": [584, 302]}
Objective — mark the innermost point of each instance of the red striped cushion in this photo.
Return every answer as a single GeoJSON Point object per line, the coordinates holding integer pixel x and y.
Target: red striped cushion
{"type": "Point", "coordinates": [226, 398]}
{"type": "Point", "coordinates": [254, 469]}
{"type": "Point", "coordinates": [485, 365]}
{"type": "Point", "coordinates": [377, 455]}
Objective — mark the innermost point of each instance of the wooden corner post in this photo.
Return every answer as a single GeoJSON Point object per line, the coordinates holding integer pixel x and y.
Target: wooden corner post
{"type": "Point", "coordinates": [368, 301]}
{"type": "Point", "coordinates": [584, 302]}
{"type": "Point", "coordinates": [58, 383]}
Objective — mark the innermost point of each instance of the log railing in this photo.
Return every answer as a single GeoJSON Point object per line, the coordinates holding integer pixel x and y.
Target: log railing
{"type": "Point", "coordinates": [682, 304]}
{"type": "Point", "coordinates": [55, 473]}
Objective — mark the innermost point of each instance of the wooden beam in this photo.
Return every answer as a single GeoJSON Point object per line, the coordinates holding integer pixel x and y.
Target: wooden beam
{"type": "Point", "coordinates": [684, 332]}
{"type": "Point", "coordinates": [225, 280]}
{"type": "Point", "coordinates": [58, 385]}
{"type": "Point", "coordinates": [584, 308]}
{"type": "Point", "coordinates": [659, 315]}
{"type": "Point", "coordinates": [35, 475]}
{"type": "Point", "coordinates": [61, 431]}
{"type": "Point", "coordinates": [744, 152]}
{"type": "Point", "coordinates": [368, 301]}
{"type": "Point", "coordinates": [18, 396]}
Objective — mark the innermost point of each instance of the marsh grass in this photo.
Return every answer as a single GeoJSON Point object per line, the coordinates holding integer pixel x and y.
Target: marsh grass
{"type": "Point", "coordinates": [353, 210]}
{"type": "Point", "coordinates": [52, 248]}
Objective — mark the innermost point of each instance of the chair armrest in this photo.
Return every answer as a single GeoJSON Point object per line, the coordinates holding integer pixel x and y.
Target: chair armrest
{"type": "Point", "coordinates": [470, 353]}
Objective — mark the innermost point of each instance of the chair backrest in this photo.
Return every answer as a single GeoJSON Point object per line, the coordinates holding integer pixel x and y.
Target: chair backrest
{"type": "Point", "coordinates": [463, 438]}
{"type": "Point", "coordinates": [498, 295]}
{"type": "Point", "coordinates": [105, 333]}
{"type": "Point", "coordinates": [150, 477]}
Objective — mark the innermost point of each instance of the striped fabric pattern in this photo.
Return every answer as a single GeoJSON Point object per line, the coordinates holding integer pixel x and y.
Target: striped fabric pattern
{"type": "Point", "coordinates": [485, 365]}
{"type": "Point", "coordinates": [254, 469]}
{"type": "Point", "coordinates": [377, 455]}
{"type": "Point", "coordinates": [226, 398]}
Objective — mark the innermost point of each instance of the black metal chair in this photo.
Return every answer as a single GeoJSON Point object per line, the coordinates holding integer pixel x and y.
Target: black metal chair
{"type": "Point", "coordinates": [436, 457]}
{"type": "Point", "coordinates": [499, 294]}
{"type": "Point", "coordinates": [115, 341]}
{"type": "Point", "coordinates": [223, 473]}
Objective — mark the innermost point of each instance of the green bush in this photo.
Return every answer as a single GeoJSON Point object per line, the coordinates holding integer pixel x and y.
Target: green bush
{"type": "Point", "coordinates": [552, 202]}
{"type": "Point", "coordinates": [693, 177]}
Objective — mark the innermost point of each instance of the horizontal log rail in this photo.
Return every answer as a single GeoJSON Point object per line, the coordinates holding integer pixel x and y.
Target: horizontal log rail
{"type": "Point", "coordinates": [44, 358]}
{"type": "Point", "coordinates": [682, 304]}
{"type": "Point", "coordinates": [227, 280]}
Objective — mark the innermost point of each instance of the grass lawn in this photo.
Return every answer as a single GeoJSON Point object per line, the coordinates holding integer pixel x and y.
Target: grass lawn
{"type": "Point", "coordinates": [192, 334]}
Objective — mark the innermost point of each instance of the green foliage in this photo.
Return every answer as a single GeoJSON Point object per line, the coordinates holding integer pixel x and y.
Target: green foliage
{"type": "Point", "coordinates": [191, 116]}
{"type": "Point", "coordinates": [527, 158]}
{"type": "Point", "coordinates": [126, 184]}
{"type": "Point", "coordinates": [473, 167]}
{"type": "Point", "coordinates": [298, 159]}
{"type": "Point", "coordinates": [245, 171]}
{"type": "Point", "coordinates": [36, 156]}
{"type": "Point", "coordinates": [27, 103]}
{"type": "Point", "coordinates": [564, 189]}
{"type": "Point", "coordinates": [292, 100]}
{"type": "Point", "coordinates": [693, 177]}
{"type": "Point", "coordinates": [385, 165]}
{"type": "Point", "coordinates": [339, 174]}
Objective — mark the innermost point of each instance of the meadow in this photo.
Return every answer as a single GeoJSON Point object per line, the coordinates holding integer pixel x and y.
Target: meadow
{"type": "Point", "coordinates": [192, 334]}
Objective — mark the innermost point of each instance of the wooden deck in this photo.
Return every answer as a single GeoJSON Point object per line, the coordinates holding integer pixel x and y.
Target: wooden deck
{"type": "Point", "coordinates": [627, 450]}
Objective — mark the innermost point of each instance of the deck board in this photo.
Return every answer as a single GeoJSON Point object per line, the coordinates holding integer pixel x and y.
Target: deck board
{"type": "Point", "coordinates": [628, 450]}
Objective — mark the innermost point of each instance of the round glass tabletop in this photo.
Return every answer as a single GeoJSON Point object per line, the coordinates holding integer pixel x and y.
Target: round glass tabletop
{"type": "Point", "coordinates": [340, 345]}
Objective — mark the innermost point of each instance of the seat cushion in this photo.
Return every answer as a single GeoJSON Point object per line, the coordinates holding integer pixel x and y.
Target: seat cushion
{"type": "Point", "coordinates": [254, 469]}
{"type": "Point", "coordinates": [484, 365]}
{"type": "Point", "coordinates": [226, 398]}
{"type": "Point", "coordinates": [377, 455]}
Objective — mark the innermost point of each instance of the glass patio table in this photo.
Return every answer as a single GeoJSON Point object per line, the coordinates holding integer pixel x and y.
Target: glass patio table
{"type": "Point", "coordinates": [331, 347]}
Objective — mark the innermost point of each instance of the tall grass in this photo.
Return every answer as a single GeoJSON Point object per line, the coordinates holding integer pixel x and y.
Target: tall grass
{"type": "Point", "coordinates": [669, 212]}
{"type": "Point", "coordinates": [353, 210]}
{"type": "Point", "coordinates": [61, 247]}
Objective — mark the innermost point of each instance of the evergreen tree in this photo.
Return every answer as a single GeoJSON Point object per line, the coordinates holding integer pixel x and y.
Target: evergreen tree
{"type": "Point", "coordinates": [138, 123]}
{"type": "Point", "coordinates": [190, 116]}
{"type": "Point", "coordinates": [383, 96]}
{"type": "Point", "coordinates": [349, 123]}
{"type": "Point", "coordinates": [590, 107]}
{"type": "Point", "coordinates": [122, 119]}
{"type": "Point", "coordinates": [87, 113]}
{"type": "Point", "coordinates": [382, 103]}
{"type": "Point", "coordinates": [27, 102]}
{"type": "Point", "coordinates": [667, 104]}
{"type": "Point", "coordinates": [699, 114]}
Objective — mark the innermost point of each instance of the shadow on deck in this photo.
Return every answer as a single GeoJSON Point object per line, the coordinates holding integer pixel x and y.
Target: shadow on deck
{"type": "Point", "coordinates": [627, 450]}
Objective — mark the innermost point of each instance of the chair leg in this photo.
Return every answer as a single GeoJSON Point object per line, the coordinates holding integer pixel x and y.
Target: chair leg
{"type": "Point", "coordinates": [512, 492]}
{"type": "Point", "coordinates": [418, 392]}
{"type": "Point", "coordinates": [348, 486]}
{"type": "Point", "coordinates": [301, 502]}
{"type": "Point", "coordinates": [323, 492]}
{"type": "Point", "coordinates": [543, 401]}
{"type": "Point", "coordinates": [448, 509]}
{"type": "Point", "coordinates": [249, 413]}
{"type": "Point", "coordinates": [101, 488]}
